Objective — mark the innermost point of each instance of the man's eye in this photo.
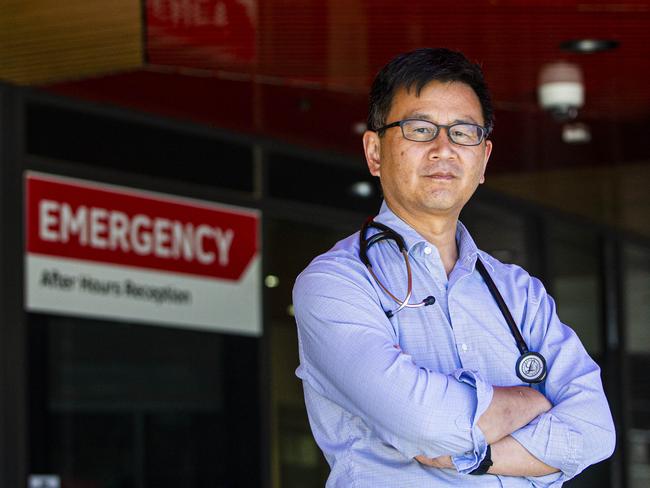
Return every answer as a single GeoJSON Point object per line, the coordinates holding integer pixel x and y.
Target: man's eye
{"type": "Point", "coordinates": [422, 130]}
{"type": "Point", "coordinates": [459, 134]}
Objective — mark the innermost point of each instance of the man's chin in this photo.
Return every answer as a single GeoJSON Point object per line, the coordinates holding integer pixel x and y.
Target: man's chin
{"type": "Point", "coordinates": [441, 211]}
{"type": "Point", "coordinates": [439, 205]}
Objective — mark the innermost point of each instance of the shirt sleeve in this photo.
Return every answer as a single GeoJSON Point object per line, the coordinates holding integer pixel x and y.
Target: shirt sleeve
{"type": "Point", "coordinates": [578, 431]}
{"type": "Point", "coordinates": [348, 354]}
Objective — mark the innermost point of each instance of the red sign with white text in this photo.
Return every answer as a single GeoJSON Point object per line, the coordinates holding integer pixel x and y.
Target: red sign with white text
{"type": "Point", "coordinates": [105, 224]}
{"type": "Point", "coordinates": [201, 33]}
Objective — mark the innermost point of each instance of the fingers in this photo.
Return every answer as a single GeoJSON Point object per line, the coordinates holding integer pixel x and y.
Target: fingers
{"type": "Point", "coordinates": [442, 462]}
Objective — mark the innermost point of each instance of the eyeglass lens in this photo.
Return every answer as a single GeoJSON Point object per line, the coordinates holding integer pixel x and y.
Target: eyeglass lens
{"type": "Point", "coordinates": [422, 130]}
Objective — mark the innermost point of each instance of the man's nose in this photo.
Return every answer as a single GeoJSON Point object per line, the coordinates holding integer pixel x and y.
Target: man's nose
{"type": "Point", "coordinates": [441, 147]}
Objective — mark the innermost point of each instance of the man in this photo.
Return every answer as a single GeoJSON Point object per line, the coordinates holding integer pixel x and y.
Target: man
{"type": "Point", "coordinates": [428, 396]}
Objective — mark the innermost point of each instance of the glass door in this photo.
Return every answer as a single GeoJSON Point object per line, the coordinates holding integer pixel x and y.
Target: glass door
{"type": "Point", "coordinates": [297, 462]}
{"type": "Point", "coordinates": [139, 406]}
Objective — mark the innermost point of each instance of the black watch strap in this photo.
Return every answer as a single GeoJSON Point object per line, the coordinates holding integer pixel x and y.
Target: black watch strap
{"type": "Point", "coordinates": [485, 464]}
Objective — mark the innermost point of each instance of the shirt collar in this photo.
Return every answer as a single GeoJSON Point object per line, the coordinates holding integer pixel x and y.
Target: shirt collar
{"type": "Point", "coordinates": [467, 250]}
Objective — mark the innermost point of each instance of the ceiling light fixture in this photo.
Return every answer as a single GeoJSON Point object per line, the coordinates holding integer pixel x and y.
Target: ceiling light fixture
{"type": "Point", "coordinates": [362, 189]}
{"type": "Point", "coordinates": [359, 128]}
{"type": "Point", "coordinates": [576, 133]}
{"type": "Point", "coordinates": [272, 281]}
{"type": "Point", "coordinates": [589, 45]}
{"type": "Point", "coordinates": [561, 90]}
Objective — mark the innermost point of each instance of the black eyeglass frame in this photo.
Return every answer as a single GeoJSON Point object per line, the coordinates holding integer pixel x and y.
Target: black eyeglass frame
{"type": "Point", "coordinates": [400, 123]}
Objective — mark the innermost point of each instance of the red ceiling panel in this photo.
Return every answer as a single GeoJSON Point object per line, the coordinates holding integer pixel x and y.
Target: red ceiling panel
{"type": "Point", "coordinates": [339, 45]}
{"type": "Point", "coordinates": [300, 71]}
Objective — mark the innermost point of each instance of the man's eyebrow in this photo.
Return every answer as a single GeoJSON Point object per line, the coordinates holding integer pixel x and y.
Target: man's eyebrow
{"type": "Point", "coordinates": [419, 115]}
{"type": "Point", "coordinates": [423, 116]}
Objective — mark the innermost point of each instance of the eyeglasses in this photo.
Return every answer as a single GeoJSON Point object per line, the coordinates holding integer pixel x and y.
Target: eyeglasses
{"type": "Point", "coordinates": [418, 130]}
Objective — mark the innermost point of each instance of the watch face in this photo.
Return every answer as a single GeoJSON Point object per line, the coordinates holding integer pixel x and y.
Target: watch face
{"type": "Point", "coordinates": [531, 367]}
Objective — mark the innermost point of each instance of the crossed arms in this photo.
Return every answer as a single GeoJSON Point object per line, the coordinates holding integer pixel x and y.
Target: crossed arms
{"type": "Point", "coordinates": [348, 356]}
{"type": "Point", "coordinates": [511, 408]}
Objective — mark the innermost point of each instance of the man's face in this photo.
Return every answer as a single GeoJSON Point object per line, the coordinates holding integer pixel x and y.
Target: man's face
{"type": "Point", "coordinates": [429, 178]}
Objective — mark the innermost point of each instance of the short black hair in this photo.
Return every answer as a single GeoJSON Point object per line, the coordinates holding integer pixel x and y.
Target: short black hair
{"type": "Point", "coordinates": [417, 69]}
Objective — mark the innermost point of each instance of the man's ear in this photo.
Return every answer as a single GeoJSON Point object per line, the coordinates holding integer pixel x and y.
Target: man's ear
{"type": "Point", "coordinates": [488, 151]}
{"type": "Point", "coordinates": [372, 150]}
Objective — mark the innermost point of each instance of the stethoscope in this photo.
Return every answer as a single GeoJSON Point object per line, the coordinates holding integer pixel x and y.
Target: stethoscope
{"type": "Point", "coordinates": [530, 367]}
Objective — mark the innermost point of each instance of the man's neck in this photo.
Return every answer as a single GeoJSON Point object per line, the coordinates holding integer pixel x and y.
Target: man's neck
{"type": "Point", "coordinates": [438, 230]}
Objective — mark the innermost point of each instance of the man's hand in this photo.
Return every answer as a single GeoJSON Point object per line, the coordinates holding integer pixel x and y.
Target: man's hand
{"type": "Point", "coordinates": [511, 459]}
{"type": "Point", "coordinates": [439, 462]}
{"type": "Point", "coordinates": [511, 408]}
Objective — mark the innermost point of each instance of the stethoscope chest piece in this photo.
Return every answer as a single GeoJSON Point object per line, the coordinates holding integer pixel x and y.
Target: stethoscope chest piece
{"type": "Point", "coordinates": [531, 367]}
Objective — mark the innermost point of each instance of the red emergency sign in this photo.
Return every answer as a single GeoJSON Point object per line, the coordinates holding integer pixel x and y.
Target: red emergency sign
{"type": "Point", "coordinates": [105, 224]}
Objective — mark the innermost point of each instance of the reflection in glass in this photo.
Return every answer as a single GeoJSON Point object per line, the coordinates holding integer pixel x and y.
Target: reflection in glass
{"type": "Point", "coordinates": [636, 293]}
{"type": "Point", "coordinates": [574, 269]}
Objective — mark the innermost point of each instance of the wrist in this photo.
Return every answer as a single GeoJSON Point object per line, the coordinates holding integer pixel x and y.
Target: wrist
{"type": "Point", "coordinates": [486, 463]}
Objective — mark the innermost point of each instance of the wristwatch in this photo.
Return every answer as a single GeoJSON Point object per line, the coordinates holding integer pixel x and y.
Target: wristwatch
{"type": "Point", "coordinates": [485, 464]}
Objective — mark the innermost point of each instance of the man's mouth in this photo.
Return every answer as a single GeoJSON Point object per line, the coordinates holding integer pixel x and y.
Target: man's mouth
{"type": "Point", "coordinates": [441, 176]}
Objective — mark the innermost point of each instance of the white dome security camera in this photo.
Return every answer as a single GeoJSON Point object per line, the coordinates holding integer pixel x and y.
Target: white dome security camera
{"type": "Point", "coordinates": [561, 91]}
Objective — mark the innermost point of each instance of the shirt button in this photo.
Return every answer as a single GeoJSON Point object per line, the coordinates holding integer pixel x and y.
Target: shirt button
{"type": "Point", "coordinates": [464, 347]}
{"type": "Point", "coordinates": [427, 250]}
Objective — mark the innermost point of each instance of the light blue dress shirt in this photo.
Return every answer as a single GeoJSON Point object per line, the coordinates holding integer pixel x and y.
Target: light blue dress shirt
{"type": "Point", "coordinates": [381, 391]}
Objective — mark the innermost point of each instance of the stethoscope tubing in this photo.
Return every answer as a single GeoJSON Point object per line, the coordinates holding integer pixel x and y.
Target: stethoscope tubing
{"type": "Point", "coordinates": [530, 367]}
{"type": "Point", "coordinates": [386, 233]}
{"type": "Point", "coordinates": [409, 287]}
{"type": "Point", "coordinates": [505, 311]}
